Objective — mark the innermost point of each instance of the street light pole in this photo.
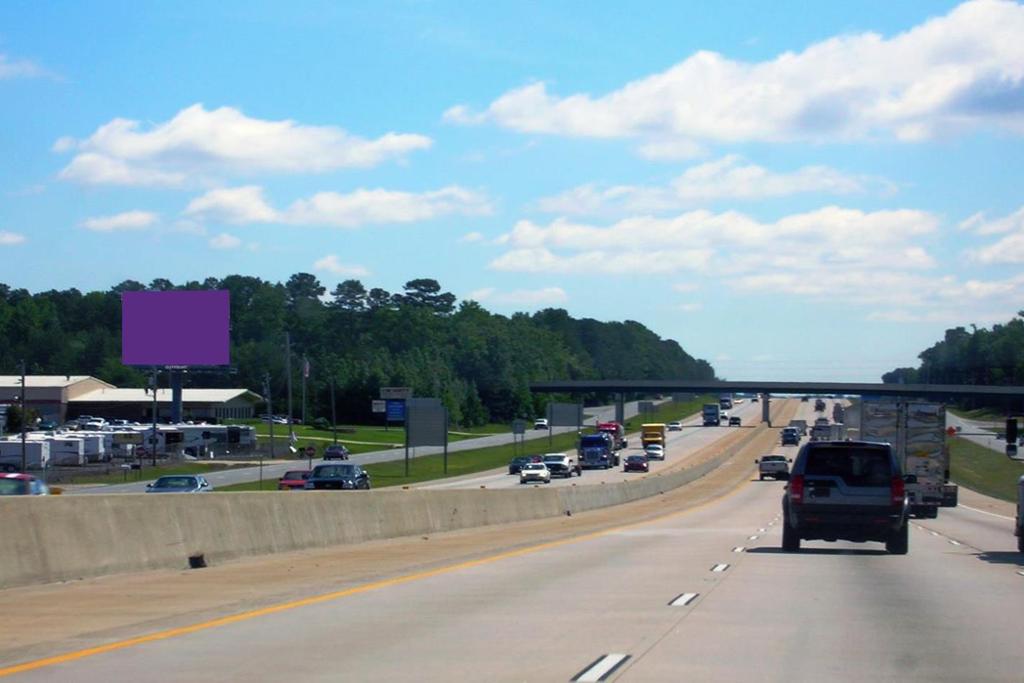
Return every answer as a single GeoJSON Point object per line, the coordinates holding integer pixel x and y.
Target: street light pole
{"type": "Point", "coordinates": [334, 416]}
{"type": "Point", "coordinates": [270, 413]}
{"type": "Point", "coordinates": [288, 372]}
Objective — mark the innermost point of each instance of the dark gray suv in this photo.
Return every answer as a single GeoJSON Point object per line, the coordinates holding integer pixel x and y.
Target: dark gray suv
{"type": "Point", "coordinates": [848, 490]}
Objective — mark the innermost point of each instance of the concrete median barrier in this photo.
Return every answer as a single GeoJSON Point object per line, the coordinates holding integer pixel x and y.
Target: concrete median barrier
{"type": "Point", "coordinates": [60, 538]}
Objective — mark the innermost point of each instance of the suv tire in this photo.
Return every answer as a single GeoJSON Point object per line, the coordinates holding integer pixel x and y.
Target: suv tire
{"type": "Point", "coordinates": [790, 538]}
{"type": "Point", "coordinates": [1020, 542]}
{"type": "Point", "coordinates": [899, 542]}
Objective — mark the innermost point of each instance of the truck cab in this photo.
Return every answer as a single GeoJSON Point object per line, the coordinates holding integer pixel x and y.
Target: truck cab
{"type": "Point", "coordinates": [711, 414]}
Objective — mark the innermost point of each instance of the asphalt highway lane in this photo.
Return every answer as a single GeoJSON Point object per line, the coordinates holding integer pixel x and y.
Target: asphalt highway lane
{"type": "Point", "coordinates": [702, 595]}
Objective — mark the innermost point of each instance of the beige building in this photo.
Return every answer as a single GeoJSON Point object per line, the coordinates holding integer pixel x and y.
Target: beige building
{"type": "Point", "coordinates": [64, 397]}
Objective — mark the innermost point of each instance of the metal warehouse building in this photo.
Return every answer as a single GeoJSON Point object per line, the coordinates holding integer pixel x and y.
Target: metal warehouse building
{"type": "Point", "coordinates": [64, 397]}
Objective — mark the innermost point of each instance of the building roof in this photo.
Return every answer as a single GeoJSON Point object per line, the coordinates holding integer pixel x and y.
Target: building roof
{"type": "Point", "coordinates": [113, 395]}
{"type": "Point", "coordinates": [47, 381]}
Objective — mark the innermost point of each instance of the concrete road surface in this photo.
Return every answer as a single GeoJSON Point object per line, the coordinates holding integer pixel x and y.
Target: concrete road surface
{"type": "Point", "coordinates": [244, 474]}
{"type": "Point", "coordinates": [704, 595]}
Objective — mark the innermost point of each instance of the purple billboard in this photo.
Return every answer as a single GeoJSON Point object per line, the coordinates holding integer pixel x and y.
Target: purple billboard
{"type": "Point", "coordinates": [175, 328]}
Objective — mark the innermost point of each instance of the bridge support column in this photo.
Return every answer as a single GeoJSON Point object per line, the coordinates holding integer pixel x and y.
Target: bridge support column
{"type": "Point", "coordinates": [620, 409]}
{"type": "Point", "coordinates": [766, 405]}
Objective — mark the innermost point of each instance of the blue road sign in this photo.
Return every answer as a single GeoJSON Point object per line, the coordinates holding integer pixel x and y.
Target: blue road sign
{"type": "Point", "coordinates": [395, 411]}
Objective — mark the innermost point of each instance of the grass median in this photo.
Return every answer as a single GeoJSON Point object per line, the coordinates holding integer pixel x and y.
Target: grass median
{"type": "Point", "coordinates": [983, 470]}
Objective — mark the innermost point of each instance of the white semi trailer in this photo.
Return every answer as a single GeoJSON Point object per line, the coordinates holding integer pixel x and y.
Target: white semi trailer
{"type": "Point", "coordinates": [917, 432]}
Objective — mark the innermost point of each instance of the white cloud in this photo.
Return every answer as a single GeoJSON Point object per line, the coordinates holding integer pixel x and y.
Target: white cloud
{"type": "Point", "coordinates": [471, 237]}
{"type": "Point", "coordinates": [978, 223]}
{"type": "Point", "coordinates": [691, 307]}
{"type": "Point", "coordinates": [960, 71]}
{"type": "Point", "coordinates": [331, 264]}
{"type": "Point", "coordinates": [670, 150]}
{"type": "Point", "coordinates": [727, 178]}
{"type": "Point", "coordinates": [685, 287]}
{"type": "Point", "coordinates": [19, 68]}
{"type": "Point", "coordinates": [128, 220]}
{"type": "Point", "coordinates": [247, 205]}
{"type": "Point", "coordinates": [198, 143]}
{"type": "Point", "coordinates": [1009, 248]}
{"type": "Point", "coordinates": [11, 238]}
{"type": "Point", "coordinates": [237, 205]}
{"type": "Point", "coordinates": [531, 298]}
{"type": "Point", "coordinates": [225, 241]}
{"type": "Point", "coordinates": [602, 261]}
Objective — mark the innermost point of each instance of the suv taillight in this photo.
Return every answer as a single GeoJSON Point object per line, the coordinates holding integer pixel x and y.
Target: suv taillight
{"type": "Point", "coordinates": [796, 488]}
{"type": "Point", "coordinates": [898, 489]}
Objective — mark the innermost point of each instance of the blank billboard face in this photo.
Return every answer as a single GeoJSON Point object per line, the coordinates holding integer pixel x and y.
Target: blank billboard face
{"type": "Point", "coordinates": [175, 328]}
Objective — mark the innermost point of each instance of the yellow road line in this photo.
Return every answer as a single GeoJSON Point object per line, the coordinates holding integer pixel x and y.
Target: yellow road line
{"type": "Point", "coordinates": [327, 597]}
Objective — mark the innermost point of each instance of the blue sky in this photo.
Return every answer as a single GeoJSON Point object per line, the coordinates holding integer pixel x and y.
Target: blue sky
{"type": "Point", "coordinates": [791, 191]}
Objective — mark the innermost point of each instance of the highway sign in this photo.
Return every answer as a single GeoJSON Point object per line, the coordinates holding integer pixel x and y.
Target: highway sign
{"type": "Point", "coordinates": [378, 406]}
{"type": "Point", "coordinates": [395, 410]}
{"type": "Point", "coordinates": [518, 426]}
{"type": "Point", "coordinates": [396, 393]}
{"type": "Point", "coordinates": [565, 414]}
{"type": "Point", "coordinates": [950, 431]}
{"type": "Point", "coordinates": [427, 423]}
{"type": "Point", "coordinates": [310, 451]}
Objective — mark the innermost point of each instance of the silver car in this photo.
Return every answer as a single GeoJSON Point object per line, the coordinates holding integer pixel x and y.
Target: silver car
{"type": "Point", "coordinates": [179, 483]}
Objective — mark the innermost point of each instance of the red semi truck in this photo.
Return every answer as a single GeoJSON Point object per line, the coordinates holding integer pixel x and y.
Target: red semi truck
{"type": "Point", "coordinates": [616, 431]}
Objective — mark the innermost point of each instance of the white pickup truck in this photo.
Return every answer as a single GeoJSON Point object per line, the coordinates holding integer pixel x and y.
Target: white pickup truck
{"type": "Point", "coordinates": [774, 466]}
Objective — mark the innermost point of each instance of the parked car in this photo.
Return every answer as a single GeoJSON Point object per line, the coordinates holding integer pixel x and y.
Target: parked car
{"type": "Point", "coordinates": [774, 466]}
{"type": "Point", "coordinates": [636, 463]}
{"type": "Point", "coordinates": [540, 423]}
{"type": "Point", "coordinates": [675, 426]}
{"type": "Point", "coordinates": [561, 465]}
{"type": "Point", "coordinates": [336, 452]}
{"type": "Point", "coordinates": [654, 452]}
{"type": "Point", "coordinates": [850, 490]}
{"type": "Point", "coordinates": [293, 480]}
{"type": "Point", "coordinates": [338, 477]}
{"type": "Point", "coordinates": [15, 484]}
{"type": "Point", "coordinates": [534, 471]}
{"type": "Point", "coordinates": [517, 463]}
{"type": "Point", "coordinates": [46, 425]}
{"type": "Point", "coordinates": [179, 483]}
{"type": "Point", "coordinates": [735, 421]}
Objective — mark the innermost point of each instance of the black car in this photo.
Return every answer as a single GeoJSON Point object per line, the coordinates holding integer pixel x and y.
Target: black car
{"type": "Point", "coordinates": [636, 463]}
{"type": "Point", "coordinates": [735, 421]}
{"type": "Point", "coordinates": [336, 452]}
{"type": "Point", "coordinates": [517, 463]}
{"type": "Point", "coordinates": [849, 490]}
{"type": "Point", "coordinates": [338, 477]}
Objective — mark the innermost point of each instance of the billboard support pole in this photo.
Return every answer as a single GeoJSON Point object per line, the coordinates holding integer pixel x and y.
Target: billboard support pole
{"type": "Point", "coordinates": [270, 413]}
{"type": "Point", "coordinates": [407, 448]}
{"type": "Point", "coordinates": [305, 375]}
{"type": "Point", "coordinates": [24, 419]}
{"type": "Point", "coordinates": [446, 441]}
{"type": "Point", "coordinates": [175, 381]}
{"type": "Point", "coordinates": [334, 416]}
{"type": "Point", "coordinates": [152, 439]}
{"type": "Point", "coordinates": [288, 372]}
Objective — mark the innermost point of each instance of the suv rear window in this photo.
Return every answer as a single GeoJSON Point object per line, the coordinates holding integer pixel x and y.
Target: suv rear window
{"type": "Point", "coordinates": [856, 466]}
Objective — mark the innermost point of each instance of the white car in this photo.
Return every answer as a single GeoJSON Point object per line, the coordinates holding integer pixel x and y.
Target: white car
{"type": "Point", "coordinates": [723, 417]}
{"type": "Point", "coordinates": [534, 471]}
{"type": "Point", "coordinates": [540, 423]}
{"type": "Point", "coordinates": [675, 426]}
{"type": "Point", "coordinates": [654, 452]}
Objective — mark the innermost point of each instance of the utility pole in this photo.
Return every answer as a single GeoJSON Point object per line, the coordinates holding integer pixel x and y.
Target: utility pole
{"type": "Point", "coordinates": [270, 413]}
{"type": "Point", "coordinates": [288, 372]}
{"type": "Point", "coordinates": [24, 419]}
{"type": "Point", "coordinates": [334, 416]}
{"type": "Point", "coordinates": [305, 376]}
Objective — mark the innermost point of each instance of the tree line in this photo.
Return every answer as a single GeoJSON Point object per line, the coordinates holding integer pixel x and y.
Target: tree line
{"type": "Point", "coordinates": [479, 363]}
{"type": "Point", "coordinates": [977, 356]}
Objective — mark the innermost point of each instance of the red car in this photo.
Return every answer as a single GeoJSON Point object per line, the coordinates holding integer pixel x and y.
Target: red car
{"type": "Point", "coordinates": [636, 463]}
{"type": "Point", "coordinates": [294, 480]}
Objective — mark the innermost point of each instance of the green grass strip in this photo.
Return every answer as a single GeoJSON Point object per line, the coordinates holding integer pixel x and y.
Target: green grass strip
{"type": "Point", "coordinates": [983, 469]}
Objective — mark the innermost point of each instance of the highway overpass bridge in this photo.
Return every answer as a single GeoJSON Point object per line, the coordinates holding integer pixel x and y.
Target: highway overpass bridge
{"type": "Point", "coordinates": [941, 392]}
